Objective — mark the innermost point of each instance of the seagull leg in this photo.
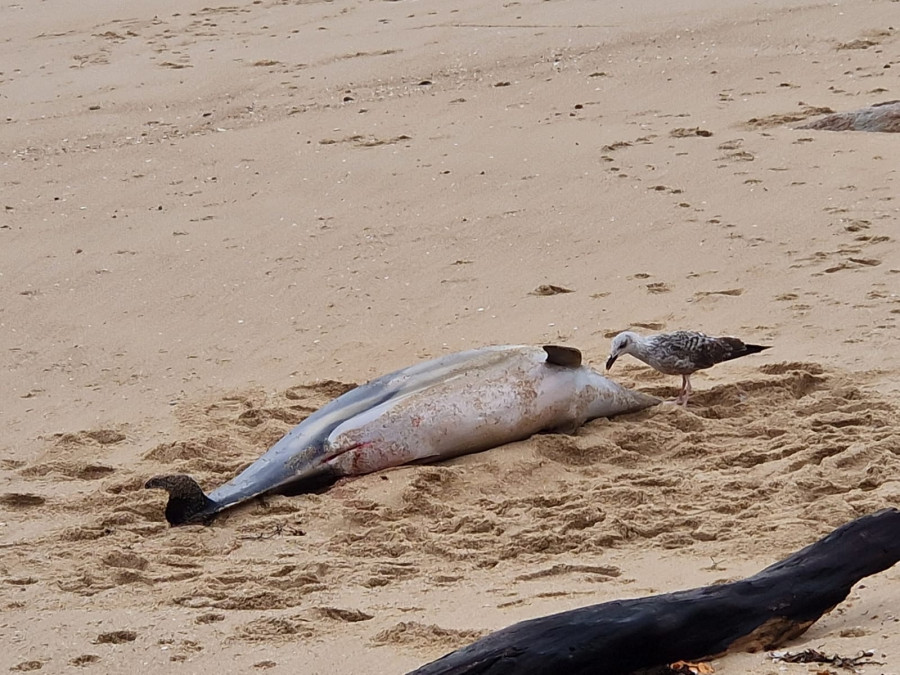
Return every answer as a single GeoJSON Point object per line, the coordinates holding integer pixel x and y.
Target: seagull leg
{"type": "Point", "coordinates": [686, 390]}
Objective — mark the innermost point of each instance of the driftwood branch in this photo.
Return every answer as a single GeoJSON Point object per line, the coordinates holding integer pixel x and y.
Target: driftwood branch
{"type": "Point", "coordinates": [643, 634]}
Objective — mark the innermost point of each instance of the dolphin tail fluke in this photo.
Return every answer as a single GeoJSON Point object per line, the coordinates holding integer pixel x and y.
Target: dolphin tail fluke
{"type": "Point", "coordinates": [187, 502]}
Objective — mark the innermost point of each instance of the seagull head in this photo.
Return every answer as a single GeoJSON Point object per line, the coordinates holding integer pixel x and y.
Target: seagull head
{"type": "Point", "coordinates": [623, 343]}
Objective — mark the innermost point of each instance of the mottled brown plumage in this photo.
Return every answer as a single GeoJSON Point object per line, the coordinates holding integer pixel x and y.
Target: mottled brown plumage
{"type": "Point", "coordinates": [680, 353]}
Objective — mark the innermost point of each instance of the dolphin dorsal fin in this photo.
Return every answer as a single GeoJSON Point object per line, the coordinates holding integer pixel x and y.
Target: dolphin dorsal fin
{"type": "Point", "coordinates": [563, 356]}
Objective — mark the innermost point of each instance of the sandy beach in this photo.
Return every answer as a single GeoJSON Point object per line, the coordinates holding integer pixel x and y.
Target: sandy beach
{"type": "Point", "coordinates": [216, 219]}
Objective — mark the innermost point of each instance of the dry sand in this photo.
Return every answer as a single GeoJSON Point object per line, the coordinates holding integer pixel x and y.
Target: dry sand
{"type": "Point", "coordinates": [216, 218]}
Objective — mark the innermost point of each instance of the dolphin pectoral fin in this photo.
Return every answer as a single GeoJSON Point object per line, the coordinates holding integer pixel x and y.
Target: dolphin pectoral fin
{"type": "Point", "coordinates": [563, 356]}
{"type": "Point", "coordinates": [187, 503]}
{"type": "Point", "coordinates": [565, 429]}
{"type": "Point", "coordinates": [316, 483]}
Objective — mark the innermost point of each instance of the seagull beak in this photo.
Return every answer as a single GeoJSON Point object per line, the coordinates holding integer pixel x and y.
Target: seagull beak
{"type": "Point", "coordinates": [611, 360]}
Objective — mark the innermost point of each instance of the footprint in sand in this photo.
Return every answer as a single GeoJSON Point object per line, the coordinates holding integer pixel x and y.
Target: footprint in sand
{"type": "Point", "coordinates": [84, 660]}
{"type": "Point", "coordinates": [853, 264]}
{"type": "Point", "coordinates": [20, 501]}
{"type": "Point", "coordinates": [592, 572]}
{"type": "Point", "coordinates": [338, 614]}
{"type": "Point", "coordinates": [704, 295]}
{"type": "Point", "coordinates": [90, 437]}
{"type": "Point", "coordinates": [682, 132]}
{"type": "Point", "coordinates": [418, 635]}
{"type": "Point", "coordinates": [125, 559]}
{"type": "Point", "coordinates": [116, 637]}
{"type": "Point", "coordinates": [78, 470]}
{"type": "Point", "coordinates": [268, 628]}
{"type": "Point", "coordinates": [550, 289]}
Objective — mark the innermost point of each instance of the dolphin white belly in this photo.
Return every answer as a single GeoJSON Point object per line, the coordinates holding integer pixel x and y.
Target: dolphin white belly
{"type": "Point", "coordinates": [477, 409]}
{"type": "Point", "coordinates": [437, 409]}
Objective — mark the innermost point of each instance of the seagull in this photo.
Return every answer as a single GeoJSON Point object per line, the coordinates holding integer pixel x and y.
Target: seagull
{"type": "Point", "coordinates": [680, 353]}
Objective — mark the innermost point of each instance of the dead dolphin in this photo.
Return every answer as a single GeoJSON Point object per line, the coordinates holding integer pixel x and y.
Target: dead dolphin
{"type": "Point", "coordinates": [448, 406]}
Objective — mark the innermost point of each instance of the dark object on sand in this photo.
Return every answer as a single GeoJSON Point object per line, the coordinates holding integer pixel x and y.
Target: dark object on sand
{"type": "Point", "coordinates": [682, 352]}
{"type": "Point", "coordinates": [883, 117]}
{"type": "Point", "coordinates": [434, 410]}
{"type": "Point", "coordinates": [625, 636]}
{"type": "Point", "coordinates": [815, 656]}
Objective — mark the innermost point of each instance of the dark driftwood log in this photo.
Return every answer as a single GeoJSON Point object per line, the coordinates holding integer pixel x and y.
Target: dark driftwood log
{"type": "Point", "coordinates": [628, 636]}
